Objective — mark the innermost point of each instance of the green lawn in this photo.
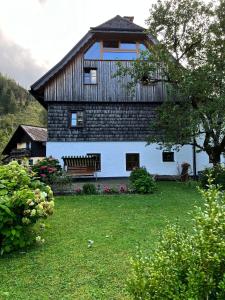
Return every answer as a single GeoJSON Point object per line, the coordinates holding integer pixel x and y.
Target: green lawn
{"type": "Point", "coordinates": [65, 268]}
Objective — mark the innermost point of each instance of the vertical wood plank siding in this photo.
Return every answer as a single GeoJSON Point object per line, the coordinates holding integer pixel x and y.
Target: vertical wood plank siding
{"type": "Point", "coordinates": [68, 84]}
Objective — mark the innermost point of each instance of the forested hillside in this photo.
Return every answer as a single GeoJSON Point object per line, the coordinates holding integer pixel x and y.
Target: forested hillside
{"type": "Point", "coordinates": [17, 106]}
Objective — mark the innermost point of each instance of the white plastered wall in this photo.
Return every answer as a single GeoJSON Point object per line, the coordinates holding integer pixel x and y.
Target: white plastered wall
{"type": "Point", "coordinates": [113, 156]}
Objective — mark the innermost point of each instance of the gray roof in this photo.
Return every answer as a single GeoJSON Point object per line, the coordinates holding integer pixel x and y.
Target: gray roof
{"type": "Point", "coordinates": [119, 23]}
{"type": "Point", "coordinates": [38, 134]}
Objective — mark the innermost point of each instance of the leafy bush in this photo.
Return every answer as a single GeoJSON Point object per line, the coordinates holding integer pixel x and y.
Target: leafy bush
{"type": "Point", "coordinates": [183, 265]}
{"type": "Point", "coordinates": [89, 189]}
{"type": "Point", "coordinates": [48, 169]}
{"type": "Point", "coordinates": [138, 173]}
{"type": "Point", "coordinates": [217, 173]}
{"type": "Point", "coordinates": [23, 201]}
{"type": "Point", "coordinates": [141, 181]}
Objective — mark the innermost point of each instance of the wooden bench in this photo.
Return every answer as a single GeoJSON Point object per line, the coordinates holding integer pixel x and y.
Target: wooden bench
{"type": "Point", "coordinates": [80, 171]}
{"type": "Point", "coordinates": [80, 166]}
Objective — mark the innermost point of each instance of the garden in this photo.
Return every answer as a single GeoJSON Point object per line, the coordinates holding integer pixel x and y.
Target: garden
{"type": "Point", "coordinates": [96, 245]}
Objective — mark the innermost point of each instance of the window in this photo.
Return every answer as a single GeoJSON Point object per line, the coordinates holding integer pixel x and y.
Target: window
{"type": "Point", "coordinates": [28, 145]}
{"type": "Point", "coordinates": [119, 55]}
{"type": "Point", "coordinates": [132, 161]}
{"type": "Point", "coordinates": [114, 50]}
{"type": "Point", "coordinates": [76, 119]}
{"type": "Point", "coordinates": [168, 156]}
{"type": "Point", "coordinates": [128, 45]}
{"type": "Point", "coordinates": [93, 52]}
{"type": "Point", "coordinates": [98, 160]}
{"type": "Point", "coordinates": [90, 76]}
{"type": "Point", "coordinates": [111, 44]}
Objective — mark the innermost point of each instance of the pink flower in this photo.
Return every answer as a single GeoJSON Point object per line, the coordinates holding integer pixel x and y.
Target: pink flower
{"type": "Point", "coordinates": [106, 189]}
{"type": "Point", "coordinates": [43, 167]}
{"type": "Point", "coordinates": [50, 170]}
{"type": "Point", "coordinates": [123, 189]}
{"type": "Point", "coordinates": [78, 190]}
{"type": "Point", "coordinates": [42, 175]}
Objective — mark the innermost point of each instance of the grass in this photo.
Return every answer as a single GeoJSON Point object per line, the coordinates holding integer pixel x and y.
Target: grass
{"type": "Point", "coordinates": [65, 268]}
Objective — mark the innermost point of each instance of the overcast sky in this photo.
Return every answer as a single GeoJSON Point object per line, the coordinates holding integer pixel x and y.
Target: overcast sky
{"type": "Point", "coordinates": [36, 34]}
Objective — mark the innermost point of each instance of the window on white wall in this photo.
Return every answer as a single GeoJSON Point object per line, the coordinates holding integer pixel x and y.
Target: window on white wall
{"type": "Point", "coordinates": [168, 156]}
{"type": "Point", "coordinates": [132, 161]}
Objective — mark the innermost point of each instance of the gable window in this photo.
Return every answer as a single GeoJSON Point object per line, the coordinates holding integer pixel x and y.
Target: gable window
{"type": "Point", "coordinates": [98, 160]}
{"type": "Point", "coordinates": [132, 161]}
{"type": "Point", "coordinates": [114, 50]}
{"type": "Point", "coordinates": [93, 52]}
{"type": "Point", "coordinates": [90, 75]}
{"type": "Point", "coordinates": [76, 119]}
{"type": "Point", "coordinates": [167, 156]}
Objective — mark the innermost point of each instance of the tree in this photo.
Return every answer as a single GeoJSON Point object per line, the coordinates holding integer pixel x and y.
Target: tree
{"type": "Point", "coordinates": [190, 55]}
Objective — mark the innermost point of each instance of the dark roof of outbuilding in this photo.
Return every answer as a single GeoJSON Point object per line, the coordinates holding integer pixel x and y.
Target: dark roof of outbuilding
{"type": "Point", "coordinates": [38, 134]}
{"type": "Point", "coordinates": [119, 23]}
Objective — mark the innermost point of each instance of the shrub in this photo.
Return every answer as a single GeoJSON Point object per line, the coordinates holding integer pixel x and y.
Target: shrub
{"type": "Point", "coordinates": [141, 181]}
{"type": "Point", "coordinates": [217, 173]}
{"type": "Point", "coordinates": [23, 202]}
{"type": "Point", "coordinates": [48, 169]}
{"type": "Point", "coordinates": [137, 173]}
{"type": "Point", "coordinates": [183, 265]}
{"type": "Point", "coordinates": [89, 189]}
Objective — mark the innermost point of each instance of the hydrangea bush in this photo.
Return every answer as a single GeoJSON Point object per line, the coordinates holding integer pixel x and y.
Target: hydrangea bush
{"type": "Point", "coordinates": [48, 169]}
{"type": "Point", "coordinates": [183, 265]}
{"type": "Point", "coordinates": [24, 201]}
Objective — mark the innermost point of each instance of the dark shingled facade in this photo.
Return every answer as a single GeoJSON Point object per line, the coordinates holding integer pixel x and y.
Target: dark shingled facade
{"type": "Point", "coordinates": [102, 122]}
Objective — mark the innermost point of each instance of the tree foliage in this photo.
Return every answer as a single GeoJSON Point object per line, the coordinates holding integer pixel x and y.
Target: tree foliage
{"type": "Point", "coordinates": [189, 55]}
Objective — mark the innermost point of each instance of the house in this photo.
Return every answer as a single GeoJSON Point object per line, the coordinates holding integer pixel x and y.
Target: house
{"type": "Point", "coordinates": [26, 142]}
{"type": "Point", "coordinates": [92, 113]}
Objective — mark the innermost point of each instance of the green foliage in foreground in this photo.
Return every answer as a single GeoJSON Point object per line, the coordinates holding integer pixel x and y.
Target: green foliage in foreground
{"type": "Point", "coordinates": [23, 201]}
{"type": "Point", "coordinates": [183, 265]}
{"type": "Point", "coordinates": [65, 268]}
{"type": "Point", "coordinates": [217, 173]}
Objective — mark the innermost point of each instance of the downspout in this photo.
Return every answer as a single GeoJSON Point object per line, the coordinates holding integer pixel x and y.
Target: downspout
{"type": "Point", "coordinates": [194, 160]}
